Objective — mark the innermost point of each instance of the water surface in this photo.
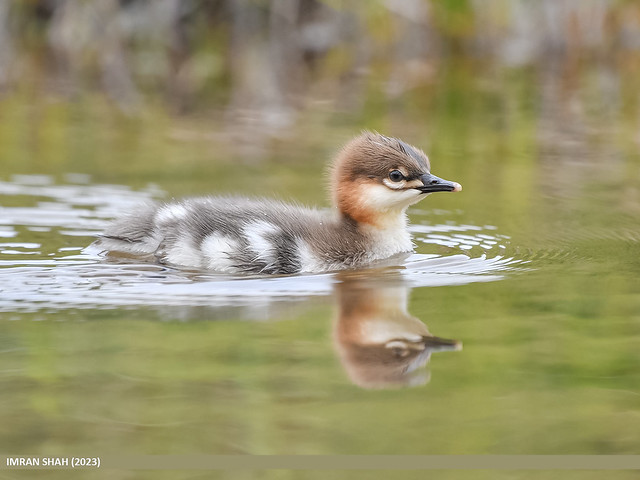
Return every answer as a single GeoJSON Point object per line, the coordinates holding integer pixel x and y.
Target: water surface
{"type": "Point", "coordinates": [527, 279]}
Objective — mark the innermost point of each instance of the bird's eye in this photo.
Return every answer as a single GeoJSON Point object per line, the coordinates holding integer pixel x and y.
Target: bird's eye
{"type": "Point", "coordinates": [396, 176]}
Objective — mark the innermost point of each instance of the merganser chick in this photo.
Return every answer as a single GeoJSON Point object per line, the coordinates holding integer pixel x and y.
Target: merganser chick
{"type": "Point", "coordinates": [373, 181]}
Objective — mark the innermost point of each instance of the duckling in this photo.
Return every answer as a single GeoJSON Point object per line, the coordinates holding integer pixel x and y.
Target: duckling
{"type": "Point", "coordinates": [374, 179]}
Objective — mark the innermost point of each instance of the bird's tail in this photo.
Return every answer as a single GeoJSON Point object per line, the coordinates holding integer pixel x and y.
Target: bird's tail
{"type": "Point", "coordinates": [136, 233]}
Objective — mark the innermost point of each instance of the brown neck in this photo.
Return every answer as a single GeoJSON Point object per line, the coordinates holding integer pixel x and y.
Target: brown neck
{"type": "Point", "coordinates": [349, 204]}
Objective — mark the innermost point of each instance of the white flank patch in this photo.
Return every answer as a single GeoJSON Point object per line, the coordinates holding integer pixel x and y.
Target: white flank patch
{"type": "Point", "coordinates": [171, 213]}
{"type": "Point", "coordinates": [310, 262]}
{"type": "Point", "coordinates": [184, 253]}
{"type": "Point", "coordinates": [218, 251]}
{"type": "Point", "coordinates": [257, 235]}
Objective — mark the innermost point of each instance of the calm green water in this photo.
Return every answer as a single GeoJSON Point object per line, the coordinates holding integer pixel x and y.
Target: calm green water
{"type": "Point", "coordinates": [534, 269]}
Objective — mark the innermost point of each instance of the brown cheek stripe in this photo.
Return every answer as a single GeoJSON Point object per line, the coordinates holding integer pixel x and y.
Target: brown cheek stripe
{"type": "Point", "coordinates": [351, 205]}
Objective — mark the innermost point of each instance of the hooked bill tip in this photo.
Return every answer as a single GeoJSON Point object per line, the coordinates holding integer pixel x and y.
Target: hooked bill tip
{"type": "Point", "coordinates": [456, 187]}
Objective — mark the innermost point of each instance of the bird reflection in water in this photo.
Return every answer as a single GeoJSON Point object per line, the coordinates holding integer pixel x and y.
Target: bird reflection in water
{"type": "Point", "coordinates": [379, 343]}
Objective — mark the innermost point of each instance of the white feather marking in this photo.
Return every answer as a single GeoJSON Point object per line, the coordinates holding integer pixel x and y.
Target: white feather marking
{"type": "Point", "coordinates": [381, 198]}
{"type": "Point", "coordinates": [218, 251]}
{"type": "Point", "coordinates": [257, 235]}
{"type": "Point", "coordinates": [309, 262]}
{"type": "Point", "coordinates": [171, 213]}
{"type": "Point", "coordinates": [394, 185]}
{"type": "Point", "coordinates": [184, 253]}
{"type": "Point", "coordinates": [388, 241]}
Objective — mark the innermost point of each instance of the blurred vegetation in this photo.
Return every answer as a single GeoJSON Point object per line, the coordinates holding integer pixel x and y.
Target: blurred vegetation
{"type": "Point", "coordinates": [260, 64]}
{"type": "Point", "coordinates": [181, 90]}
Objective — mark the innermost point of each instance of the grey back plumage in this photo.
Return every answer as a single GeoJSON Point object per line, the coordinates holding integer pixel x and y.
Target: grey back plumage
{"type": "Point", "coordinates": [162, 229]}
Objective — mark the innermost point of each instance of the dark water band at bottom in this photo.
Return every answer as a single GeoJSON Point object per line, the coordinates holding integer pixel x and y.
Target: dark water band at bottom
{"type": "Point", "coordinates": [337, 462]}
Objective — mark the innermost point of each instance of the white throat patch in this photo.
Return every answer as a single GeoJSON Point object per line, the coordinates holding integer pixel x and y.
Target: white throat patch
{"type": "Point", "coordinates": [382, 198]}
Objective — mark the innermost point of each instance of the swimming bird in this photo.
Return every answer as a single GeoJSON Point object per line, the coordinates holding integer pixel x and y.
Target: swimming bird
{"type": "Point", "coordinates": [374, 178]}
